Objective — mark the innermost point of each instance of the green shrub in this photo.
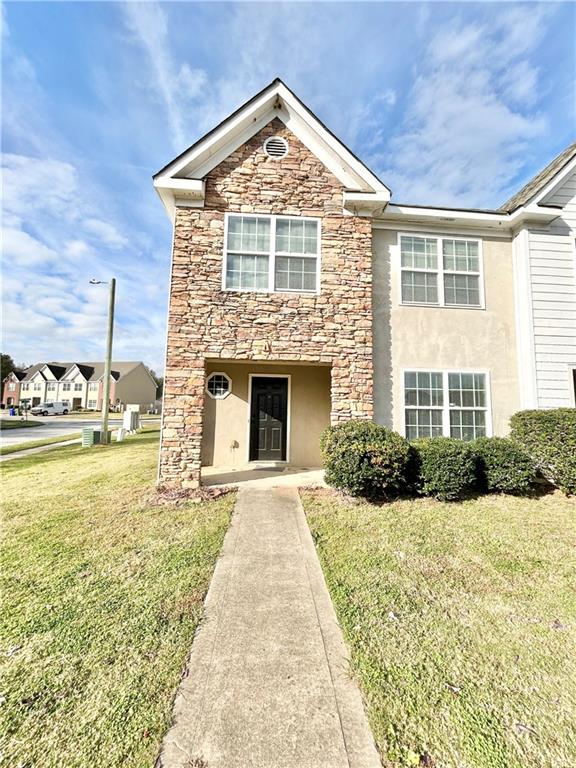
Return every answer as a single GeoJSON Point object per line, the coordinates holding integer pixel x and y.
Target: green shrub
{"type": "Point", "coordinates": [446, 467]}
{"type": "Point", "coordinates": [502, 465]}
{"type": "Point", "coordinates": [365, 459]}
{"type": "Point", "coordinates": [549, 438]}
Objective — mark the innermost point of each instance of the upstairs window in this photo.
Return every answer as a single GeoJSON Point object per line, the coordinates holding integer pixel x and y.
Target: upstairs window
{"type": "Point", "coordinates": [78, 387]}
{"type": "Point", "coordinates": [440, 271]}
{"type": "Point", "coordinates": [272, 253]}
{"type": "Point", "coordinates": [51, 386]}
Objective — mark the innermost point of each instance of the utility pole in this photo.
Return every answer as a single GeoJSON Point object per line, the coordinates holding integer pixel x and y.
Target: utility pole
{"type": "Point", "coordinates": [108, 364]}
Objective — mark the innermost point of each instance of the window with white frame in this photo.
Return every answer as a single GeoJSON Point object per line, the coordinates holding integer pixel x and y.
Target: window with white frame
{"type": "Point", "coordinates": [443, 271]}
{"type": "Point", "coordinates": [93, 385]}
{"type": "Point", "coordinates": [78, 387]}
{"type": "Point", "coordinates": [218, 385]}
{"type": "Point", "coordinates": [51, 386]}
{"type": "Point", "coordinates": [66, 386]}
{"type": "Point", "coordinates": [449, 403]}
{"type": "Point", "coordinates": [11, 386]}
{"type": "Point", "coordinates": [91, 403]}
{"type": "Point", "coordinates": [37, 386]}
{"type": "Point", "coordinates": [26, 386]}
{"type": "Point", "coordinates": [272, 253]}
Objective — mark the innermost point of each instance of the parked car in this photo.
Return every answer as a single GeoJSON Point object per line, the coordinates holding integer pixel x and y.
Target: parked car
{"type": "Point", "coordinates": [50, 409]}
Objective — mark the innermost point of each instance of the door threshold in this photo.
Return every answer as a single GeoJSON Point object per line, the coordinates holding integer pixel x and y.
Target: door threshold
{"type": "Point", "coordinates": [268, 465]}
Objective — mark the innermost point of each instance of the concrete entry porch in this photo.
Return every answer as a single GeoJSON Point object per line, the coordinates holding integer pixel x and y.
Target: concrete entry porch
{"type": "Point", "coordinates": [258, 412]}
{"type": "Point", "coordinates": [262, 476]}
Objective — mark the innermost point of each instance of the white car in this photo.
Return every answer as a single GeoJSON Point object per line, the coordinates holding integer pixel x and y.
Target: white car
{"type": "Point", "coordinates": [50, 409]}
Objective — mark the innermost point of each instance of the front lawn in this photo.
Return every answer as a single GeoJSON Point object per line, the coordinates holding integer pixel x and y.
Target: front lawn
{"type": "Point", "coordinates": [460, 619]}
{"type": "Point", "coordinates": [102, 594]}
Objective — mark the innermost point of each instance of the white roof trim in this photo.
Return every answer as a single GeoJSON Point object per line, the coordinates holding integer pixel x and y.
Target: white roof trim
{"type": "Point", "coordinates": [555, 182]}
{"type": "Point", "coordinates": [443, 216]}
{"type": "Point", "coordinates": [175, 181]}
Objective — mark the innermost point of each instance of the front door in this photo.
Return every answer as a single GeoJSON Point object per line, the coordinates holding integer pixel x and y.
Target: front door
{"type": "Point", "coordinates": [268, 418]}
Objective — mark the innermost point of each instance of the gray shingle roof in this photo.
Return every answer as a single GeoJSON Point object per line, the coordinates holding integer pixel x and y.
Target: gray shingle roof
{"type": "Point", "coordinates": [91, 371]}
{"type": "Point", "coordinates": [540, 180]}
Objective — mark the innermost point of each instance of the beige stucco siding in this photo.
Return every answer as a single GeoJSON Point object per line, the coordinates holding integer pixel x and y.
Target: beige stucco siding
{"type": "Point", "coordinates": [412, 337]}
{"type": "Point", "coordinates": [225, 428]}
{"type": "Point", "coordinates": [136, 387]}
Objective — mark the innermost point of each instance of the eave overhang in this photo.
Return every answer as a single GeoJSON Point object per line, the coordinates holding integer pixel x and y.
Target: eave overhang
{"type": "Point", "coordinates": [402, 215]}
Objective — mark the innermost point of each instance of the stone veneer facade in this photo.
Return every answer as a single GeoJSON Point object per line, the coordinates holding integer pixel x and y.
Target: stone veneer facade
{"type": "Point", "coordinates": [333, 327]}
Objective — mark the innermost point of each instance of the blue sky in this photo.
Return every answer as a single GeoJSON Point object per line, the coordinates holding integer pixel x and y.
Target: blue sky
{"type": "Point", "coordinates": [454, 104]}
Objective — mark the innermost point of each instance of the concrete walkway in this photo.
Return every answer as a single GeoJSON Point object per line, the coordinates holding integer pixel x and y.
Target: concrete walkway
{"type": "Point", "coordinates": [267, 683]}
{"type": "Point", "coordinates": [38, 449]}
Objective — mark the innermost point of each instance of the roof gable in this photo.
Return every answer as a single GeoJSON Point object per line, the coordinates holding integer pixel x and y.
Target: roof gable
{"type": "Point", "coordinates": [181, 182]}
{"type": "Point", "coordinates": [544, 181]}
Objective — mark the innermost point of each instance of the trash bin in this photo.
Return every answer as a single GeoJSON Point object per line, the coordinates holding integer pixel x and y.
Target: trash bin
{"type": "Point", "coordinates": [12, 411]}
{"type": "Point", "coordinates": [87, 437]}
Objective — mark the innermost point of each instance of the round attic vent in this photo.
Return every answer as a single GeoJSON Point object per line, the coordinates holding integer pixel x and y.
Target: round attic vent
{"type": "Point", "coordinates": [276, 147]}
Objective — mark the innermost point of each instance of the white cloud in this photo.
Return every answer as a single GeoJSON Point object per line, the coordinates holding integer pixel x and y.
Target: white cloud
{"type": "Point", "coordinates": [175, 85]}
{"type": "Point", "coordinates": [469, 118]}
{"type": "Point", "coordinates": [105, 232]}
{"type": "Point", "coordinates": [77, 248]}
{"type": "Point", "coordinates": [20, 248]}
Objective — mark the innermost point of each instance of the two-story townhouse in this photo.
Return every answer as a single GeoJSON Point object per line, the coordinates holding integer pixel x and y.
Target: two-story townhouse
{"type": "Point", "coordinates": [300, 296]}
{"type": "Point", "coordinates": [545, 263]}
{"type": "Point", "coordinates": [11, 391]}
{"type": "Point", "coordinates": [81, 385]}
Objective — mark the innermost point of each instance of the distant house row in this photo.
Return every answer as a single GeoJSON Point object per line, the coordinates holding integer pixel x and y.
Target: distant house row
{"type": "Point", "coordinates": [80, 384]}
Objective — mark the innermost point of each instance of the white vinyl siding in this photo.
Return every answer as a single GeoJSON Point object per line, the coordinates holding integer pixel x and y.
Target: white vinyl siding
{"type": "Point", "coordinates": [441, 271]}
{"type": "Point", "coordinates": [446, 403]}
{"type": "Point", "coordinates": [271, 253]}
{"type": "Point", "coordinates": [552, 265]}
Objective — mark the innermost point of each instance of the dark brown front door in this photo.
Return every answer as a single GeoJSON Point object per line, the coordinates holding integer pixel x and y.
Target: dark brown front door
{"type": "Point", "coordinates": [268, 419]}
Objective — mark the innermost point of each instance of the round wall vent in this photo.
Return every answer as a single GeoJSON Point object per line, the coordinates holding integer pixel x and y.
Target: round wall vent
{"type": "Point", "coordinates": [276, 147]}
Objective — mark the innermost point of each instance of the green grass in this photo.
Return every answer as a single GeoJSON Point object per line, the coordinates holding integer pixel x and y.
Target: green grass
{"type": "Point", "coordinates": [5, 449]}
{"type": "Point", "coordinates": [12, 424]}
{"type": "Point", "coordinates": [460, 619]}
{"type": "Point", "coordinates": [102, 594]}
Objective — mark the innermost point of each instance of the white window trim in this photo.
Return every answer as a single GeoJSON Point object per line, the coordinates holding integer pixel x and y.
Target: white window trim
{"type": "Point", "coordinates": [440, 271]}
{"type": "Point", "coordinates": [445, 397]}
{"type": "Point", "coordinates": [288, 377]}
{"type": "Point", "coordinates": [272, 254]}
{"type": "Point", "coordinates": [228, 379]}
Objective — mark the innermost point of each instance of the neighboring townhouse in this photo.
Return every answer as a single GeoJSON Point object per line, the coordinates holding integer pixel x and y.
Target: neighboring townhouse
{"type": "Point", "coordinates": [545, 263]}
{"type": "Point", "coordinates": [11, 393]}
{"type": "Point", "coordinates": [81, 385]}
{"type": "Point", "coordinates": [301, 296]}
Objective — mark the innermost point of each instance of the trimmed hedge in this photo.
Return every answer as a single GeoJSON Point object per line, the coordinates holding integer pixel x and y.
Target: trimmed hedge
{"type": "Point", "coordinates": [503, 466]}
{"type": "Point", "coordinates": [446, 467]}
{"type": "Point", "coordinates": [549, 438]}
{"type": "Point", "coordinates": [366, 459]}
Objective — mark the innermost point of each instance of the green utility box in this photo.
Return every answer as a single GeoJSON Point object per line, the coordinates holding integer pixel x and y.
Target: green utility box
{"type": "Point", "coordinates": [98, 436]}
